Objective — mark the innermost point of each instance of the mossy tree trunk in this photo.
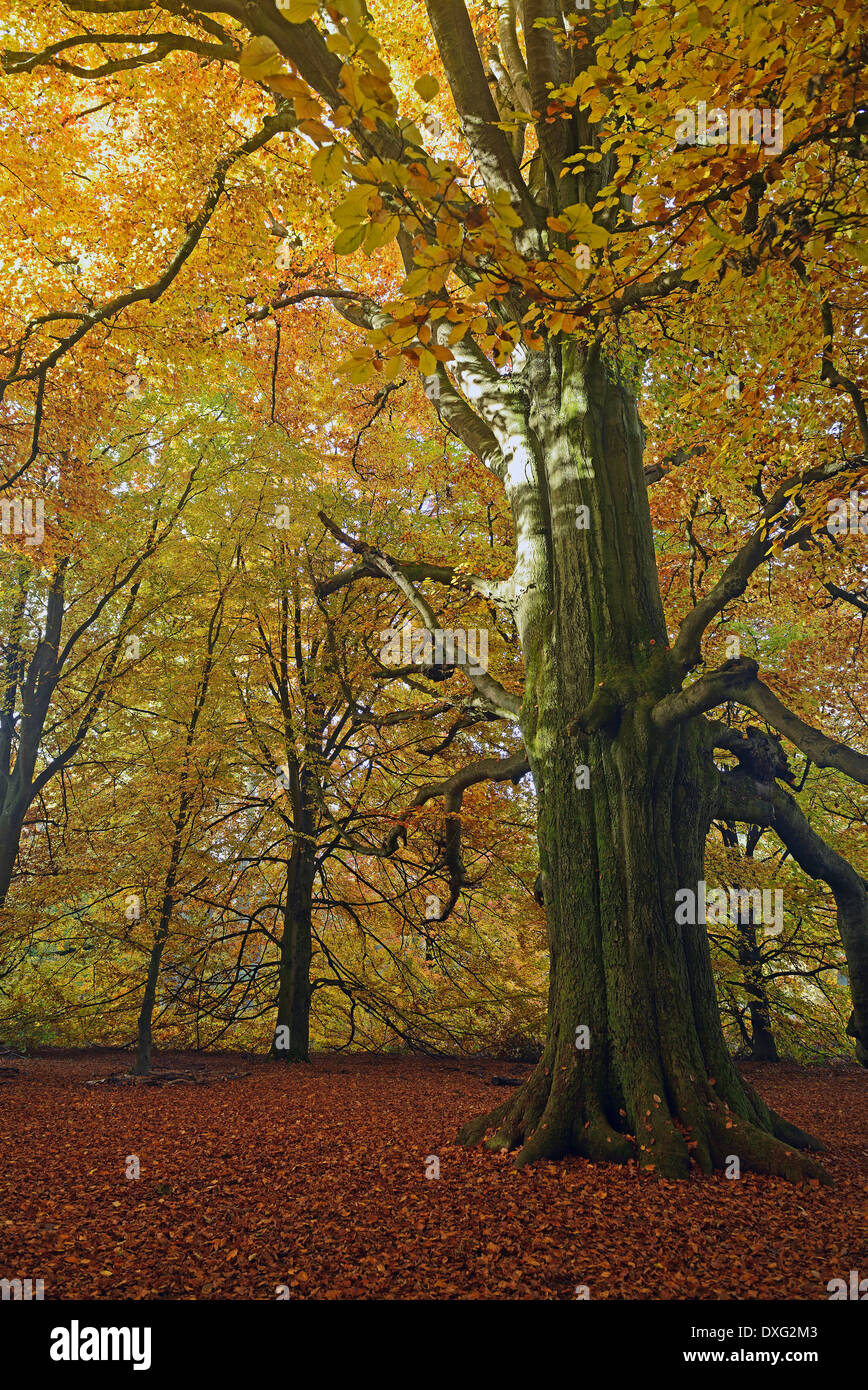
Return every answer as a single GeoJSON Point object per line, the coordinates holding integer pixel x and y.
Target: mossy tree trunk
{"type": "Point", "coordinates": [10, 835]}
{"type": "Point", "coordinates": [635, 1064]}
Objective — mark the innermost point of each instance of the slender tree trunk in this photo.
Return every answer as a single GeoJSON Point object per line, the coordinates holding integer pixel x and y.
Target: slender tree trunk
{"type": "Point", "coordinates": [292, 1027]}
{"type": "Point", "coordinates": [763, 1047]}
{"type": "Point", "coordinates": [185, 816]}
{"type": "Point", "coordinates": [635, 1065]}
{"type": "Point", "coordinates": [146, 1012]}
{"type": "Point", "coordinates": [161, 936]}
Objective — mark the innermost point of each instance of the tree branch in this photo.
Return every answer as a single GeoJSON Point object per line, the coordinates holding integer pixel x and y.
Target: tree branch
{"type": "Point", "coordinates": [271, 126]}
{"type": "Point", "coordinates": [474, 103]}
{"type": "Point", "coordinates": [830, 373]}
{"type": "Point", "coordinates": [452, 790]}
{"type": "Point", "coordinates": [740, 799]}
{"type": "Point", "coordinates": [822, 750]}
{"type": "Point", "coordinates": [715, 688]}
{"type": "Point", "coordinates": [500, 700]}
{"type": "Point", "coordinates": [734, 580]}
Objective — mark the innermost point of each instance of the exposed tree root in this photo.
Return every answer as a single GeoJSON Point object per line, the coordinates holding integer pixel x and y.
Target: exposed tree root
{"type": "Point", "coordinates": [549, 1117]}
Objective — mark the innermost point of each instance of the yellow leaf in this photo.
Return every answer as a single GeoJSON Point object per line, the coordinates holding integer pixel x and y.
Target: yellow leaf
{"type": "Point", "coordinates": [427, 86]}
{"type": "Point", "coordinates": [403, 334]}
{"type": "Point", "coordinates": [316, 130]}
{"type": "Point", "coordinates": [380, 233]}
{"type": "Point", "coordinates": [354, 208]}
{"type": "Point", "coordinates": [260, 59]}
{"type": "Point", "coordinates": [297, 11]}
{"type": "Point", "coordinates": [327, 165]}
{"type": "Point", "coordinates": [349, 240]}
{"type": "Point", "coordinates": [417, 282]}
{"type": "Point", "coordinates": [307, 108]}
{"type": "Point", "coordinates": [291, 87]}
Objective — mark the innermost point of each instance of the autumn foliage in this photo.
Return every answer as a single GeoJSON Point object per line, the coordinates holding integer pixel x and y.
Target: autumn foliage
{"type": "Point", "coordinates": [317, 321]}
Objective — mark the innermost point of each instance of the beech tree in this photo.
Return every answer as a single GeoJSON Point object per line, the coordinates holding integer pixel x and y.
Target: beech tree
{"type": "Point", "coordinates": [65, 638]}
{"type": "Point", "coordinates": [327, 748]}
{"type": "Point", "coordinates": [594, 195]}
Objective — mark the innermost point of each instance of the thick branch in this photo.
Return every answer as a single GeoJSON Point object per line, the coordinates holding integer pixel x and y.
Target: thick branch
{"type": "Point", "coordinates": [163, 45]}
{"type": "Point", "coordinates": [499, 699]}
{"type": "Point", "coordinates": [415, 570]}
{"type": "Point", "coordinates": [859, 601]}
{"type": "Point", "coordinates": [715, 688]}
{"type": "Point", "coordinates": [830, 373]}
{"type": "Point", "coordinates": [655, 471]}
{"type": "Point", "coordinates": [740, 799]}
{"type": "Point", "coordinates": [822, 750]}
{"type": "Point", "coordinates": [474, 103]}
{"type": "Point", "coordinates": [457, 416]}
{"type": "Point", "coordinates": [452, 790]}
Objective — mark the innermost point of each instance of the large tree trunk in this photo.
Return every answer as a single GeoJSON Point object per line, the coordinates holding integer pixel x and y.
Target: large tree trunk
{"type": "Point", "coordinates": [655, 1081]}
{"type": "Point", "coordinates": [10, 836]}
{"type": "Point", "coordinates": [292, 1027]}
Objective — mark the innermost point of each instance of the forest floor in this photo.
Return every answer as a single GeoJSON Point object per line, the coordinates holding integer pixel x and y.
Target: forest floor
{"type": "Point", "coordinates": [315, 1178]}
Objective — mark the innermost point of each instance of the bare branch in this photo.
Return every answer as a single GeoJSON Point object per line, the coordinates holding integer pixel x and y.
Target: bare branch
{"type": "Point", "coordinates": [859, 601]}
{"type": "Point", "coordinates": [734, 580]}
{"type": "Point", "coordinates": [163, 44]}
{"type": "Point", "coordinates": [655, 471]}
{"type": "Point", "coordinates": [452, 790]}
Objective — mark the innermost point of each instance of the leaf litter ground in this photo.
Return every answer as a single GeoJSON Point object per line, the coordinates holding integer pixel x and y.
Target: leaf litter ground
{"type": "Point", "coordinates": [255, 1175]}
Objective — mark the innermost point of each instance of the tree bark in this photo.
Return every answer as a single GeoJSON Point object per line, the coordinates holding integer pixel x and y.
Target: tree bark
{"type": "Point", "coordinates": [10, 836]}
{"type": "Point", "coordinates": [146, 1012]}
{"type": "Point", "coordinates": [651, 1077]}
